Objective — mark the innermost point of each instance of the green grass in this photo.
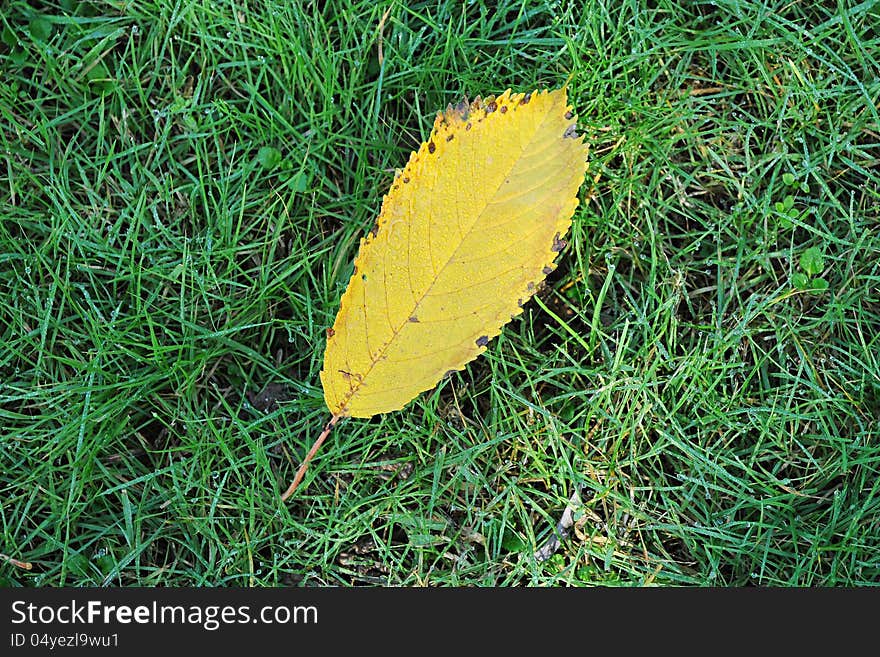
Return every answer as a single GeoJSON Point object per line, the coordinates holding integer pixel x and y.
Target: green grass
{"type": "Point", "coordinates": [686, 368]}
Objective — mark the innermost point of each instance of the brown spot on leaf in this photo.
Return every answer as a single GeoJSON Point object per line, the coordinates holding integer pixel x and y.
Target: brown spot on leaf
{"type": "Point", "coordinates": [519, 302]}
{"type": "Point", "coordinates": [525, 99]}
{"type": "Point", "coordinates": [482, 341]}
{"type": "Point", "coordinates": [406, 180]}
{"type": "Point", "coordinates": [431, 147]}
{"type": "Point", "coordinates": [468, 126]}
{"type": "Point", "coordinates": [547, 270]}
{"type": "Point", "coordinates": [558, 244]}
{"type": "Point", "coordinates": [348, 376]}
{"type": "Point", "coordinates": [450, 138]}
{"type": "Point", "coordinates": [503, 109]}
{"type": "Point", "coordinates": [568, 115]}
{"type": "Point", "coordinates": [330, 333]}
{"type": "Point", "coordinates": [530, 287]}
{"type": "Point", "coordinates": [570, 132]}
{"type": "Point", "coordinates": [491, 107]}
{"type": "Point", "coordinates": [414, 319]}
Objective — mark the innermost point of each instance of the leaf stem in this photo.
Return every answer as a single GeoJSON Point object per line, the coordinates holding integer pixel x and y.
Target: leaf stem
{"type": "Point", "coordinates": [314, 450]}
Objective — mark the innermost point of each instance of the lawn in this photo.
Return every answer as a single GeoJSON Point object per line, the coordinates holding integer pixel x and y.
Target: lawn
{"type": "Point", "coordinates": [184, 185]}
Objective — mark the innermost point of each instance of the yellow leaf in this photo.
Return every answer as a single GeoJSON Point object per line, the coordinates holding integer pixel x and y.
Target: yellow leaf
{"type": "Point", "coordinates": [469, 228]}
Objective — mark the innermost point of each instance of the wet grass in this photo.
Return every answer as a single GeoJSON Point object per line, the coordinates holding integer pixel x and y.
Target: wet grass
{"type": "Point", "coordinates": [184, 185]}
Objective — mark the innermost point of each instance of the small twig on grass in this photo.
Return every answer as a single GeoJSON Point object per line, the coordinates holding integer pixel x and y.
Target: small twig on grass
{"type": "Point", "coordinates": [563, 528]}
{"type": "Point", "coordinates": [314, 450]}
{"type": "Point", "coordinates": [26, 565]}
